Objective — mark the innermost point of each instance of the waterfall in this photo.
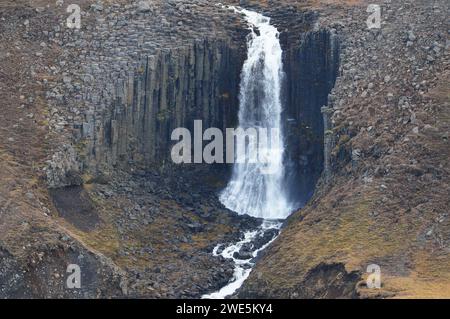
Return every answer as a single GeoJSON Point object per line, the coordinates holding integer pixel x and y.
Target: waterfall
{"type": "Point", "coordinates": [250, 191]}
{"type": "Point", "coordinates": [256, 188]}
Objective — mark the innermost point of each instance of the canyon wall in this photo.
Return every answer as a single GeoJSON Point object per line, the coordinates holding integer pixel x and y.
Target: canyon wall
{"type": "Point", "coordinates": [127, 86]}
{"type": "Point", "coordinates": [78, 105]}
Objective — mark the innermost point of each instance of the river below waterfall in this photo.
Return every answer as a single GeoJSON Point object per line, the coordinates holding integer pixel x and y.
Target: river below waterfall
{"type": "Point", "coordinates": [243, 253]}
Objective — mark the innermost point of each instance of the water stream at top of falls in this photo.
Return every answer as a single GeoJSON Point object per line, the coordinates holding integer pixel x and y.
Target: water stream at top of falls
{"type": "Point", "coordinates": [250, 191]}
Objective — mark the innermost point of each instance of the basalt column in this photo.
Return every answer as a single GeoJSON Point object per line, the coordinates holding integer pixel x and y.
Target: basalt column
{"type": "Point", "coordinates": [311, 70]}
{"type": "Point", "coordinates": [166, 91]}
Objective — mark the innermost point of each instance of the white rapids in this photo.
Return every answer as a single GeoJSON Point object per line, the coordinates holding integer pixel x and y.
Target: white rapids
{"type": "Point", "coordinates": [243, 268]}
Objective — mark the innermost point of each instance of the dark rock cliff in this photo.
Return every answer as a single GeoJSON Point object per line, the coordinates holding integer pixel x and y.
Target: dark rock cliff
{"type": "Point", "coordinates": [167, 91]}
{"type": "Point", "coordinates": [311, 66]}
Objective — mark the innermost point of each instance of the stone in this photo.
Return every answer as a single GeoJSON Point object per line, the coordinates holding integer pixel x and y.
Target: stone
{"type": "Point", "coordinates": [356, 154]}
{"type": "Point", "coordinates": [411, 36]}
{"type": "Point", "coordinates": [144, 6]}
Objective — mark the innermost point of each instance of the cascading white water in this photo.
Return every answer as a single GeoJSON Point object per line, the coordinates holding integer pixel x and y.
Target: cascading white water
{"type": "Point", "coordinates": [250, 191]}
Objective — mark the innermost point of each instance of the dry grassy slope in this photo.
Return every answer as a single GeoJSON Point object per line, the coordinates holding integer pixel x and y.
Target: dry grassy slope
{"type": "Point", "coordinates": [22, 127]}
{"type": "Point", "coordinates": [31, 245]}
{"type": "Point", "coordinates": [391, 206]}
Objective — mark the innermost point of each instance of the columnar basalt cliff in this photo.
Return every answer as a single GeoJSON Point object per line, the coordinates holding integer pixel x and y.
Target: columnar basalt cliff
{"type": "Point", "coordinates": [169, 90]}
{"type": "Point", "coordinates": [134, 85]}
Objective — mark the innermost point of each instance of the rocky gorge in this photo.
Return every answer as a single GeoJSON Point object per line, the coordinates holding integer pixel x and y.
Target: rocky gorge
{"type": "Point", "coordinates": [87, 177]}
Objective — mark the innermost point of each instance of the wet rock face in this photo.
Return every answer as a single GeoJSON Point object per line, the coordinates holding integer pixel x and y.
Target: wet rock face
{"type": "Point", "coordinates": [74, 205]}
{"type": "Point", "coordinates": [328, 281]}
{"type": "Point", "coordinates": [311, 70]}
